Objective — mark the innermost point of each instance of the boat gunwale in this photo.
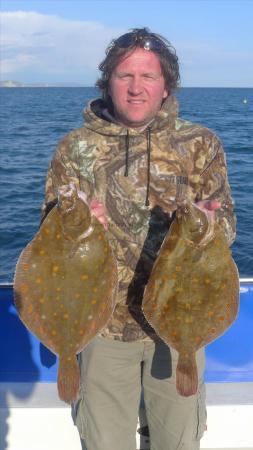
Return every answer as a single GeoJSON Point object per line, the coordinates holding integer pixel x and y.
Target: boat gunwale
{"type": "Point", "coordinates": [6, 284]}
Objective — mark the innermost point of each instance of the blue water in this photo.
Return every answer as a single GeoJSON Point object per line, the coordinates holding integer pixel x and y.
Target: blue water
{"type": "Point", "coordinates": [34, 119]}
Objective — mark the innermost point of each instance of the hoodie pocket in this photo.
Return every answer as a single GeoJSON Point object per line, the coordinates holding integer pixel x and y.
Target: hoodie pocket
{"type": "Point", "coordinates": [79, 414]}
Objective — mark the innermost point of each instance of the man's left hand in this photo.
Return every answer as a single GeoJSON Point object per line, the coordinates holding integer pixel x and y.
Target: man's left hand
{"type": "Point", "coordinates": [209, 206]}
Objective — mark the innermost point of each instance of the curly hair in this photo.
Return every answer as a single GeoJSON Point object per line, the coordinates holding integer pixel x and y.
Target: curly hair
{"type": "Point", "coordinates": [115, 52]}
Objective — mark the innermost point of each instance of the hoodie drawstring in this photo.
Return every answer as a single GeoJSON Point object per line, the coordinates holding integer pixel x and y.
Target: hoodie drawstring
{"type": "Point", "coordinates": [148, 135]}
{"type": "Point", "coordinates": [127, 154]}
{"type": "Point", "coordinates": [148, 167]}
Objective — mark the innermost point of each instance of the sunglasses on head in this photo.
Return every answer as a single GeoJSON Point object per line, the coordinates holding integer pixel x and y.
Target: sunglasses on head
{"type": "Point", "coordinates": [144, 41]}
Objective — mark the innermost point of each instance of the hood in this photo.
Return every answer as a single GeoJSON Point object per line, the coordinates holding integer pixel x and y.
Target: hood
{"type": "Point", "coordinates": [98, 119]}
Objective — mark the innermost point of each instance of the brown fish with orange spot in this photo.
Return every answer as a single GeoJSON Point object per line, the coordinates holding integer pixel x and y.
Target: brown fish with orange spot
{"type": "Point", "coordinates": [192, 295]}
{"type": "Point", "coordinates": [63, 290]}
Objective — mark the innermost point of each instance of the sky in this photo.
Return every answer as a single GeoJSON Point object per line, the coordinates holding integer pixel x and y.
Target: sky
{"type": "Point", "coordinates": [64, 40]}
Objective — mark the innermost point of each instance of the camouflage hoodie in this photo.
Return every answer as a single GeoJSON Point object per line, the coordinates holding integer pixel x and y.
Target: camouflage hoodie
{"type": "Point", "coordinates": [139, 176]}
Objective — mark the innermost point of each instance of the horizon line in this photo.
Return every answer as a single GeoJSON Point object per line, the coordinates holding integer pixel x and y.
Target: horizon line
{"type": "Point", "coordinates": [80, 85]}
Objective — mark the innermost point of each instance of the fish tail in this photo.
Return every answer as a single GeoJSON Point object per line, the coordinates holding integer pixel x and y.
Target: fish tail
{"type": "Point", "coordinates": [187, 375]}
{"type": "Point", "coordinates": [68, 380]}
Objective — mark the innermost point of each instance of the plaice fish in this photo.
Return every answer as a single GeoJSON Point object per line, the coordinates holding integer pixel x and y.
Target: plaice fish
{"type": "Point", "coordinates": [192, 295]}
{"type": "Point", "coordinates": [65, 284]}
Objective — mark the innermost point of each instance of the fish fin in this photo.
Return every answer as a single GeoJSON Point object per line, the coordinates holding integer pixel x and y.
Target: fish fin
{"type": "Point", "coordinates": [187, 375]}
{"type": "Point", "coordinates": [68, 380]}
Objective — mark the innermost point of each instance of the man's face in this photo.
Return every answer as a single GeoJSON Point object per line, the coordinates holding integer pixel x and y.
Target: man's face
{"type": "Point", "coordinates": [137, 88]}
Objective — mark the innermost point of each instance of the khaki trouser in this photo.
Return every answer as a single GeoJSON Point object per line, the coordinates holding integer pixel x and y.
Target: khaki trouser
{"type": "Point", "coordinates": [113, 373]}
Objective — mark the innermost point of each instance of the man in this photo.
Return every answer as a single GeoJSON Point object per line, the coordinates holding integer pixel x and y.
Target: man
{"type": "Point", "coordinates": [135, 160]}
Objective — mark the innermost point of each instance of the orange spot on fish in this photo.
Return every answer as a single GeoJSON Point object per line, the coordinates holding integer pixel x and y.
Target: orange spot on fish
{"type": "Point", "coordinates": [42, 252]}
{"type": "Point", "coordinates": [100, 237]}
{"type": "Point", "coordinates": [84, 277]}
{"type": "Point", "coordinates": [95, 289]}
{"type": "Point", "coordinates": [23, 288]}
{"type": "Point", "coordinates": [53, 332]}
{"type": "Point", "coordinates": [178, 268]}
{"type": "Point", "coordinates": [81, 332]}
{"type": "Point", "coordinates": [207, 281]}
{"type": "Point", "coordinates": [93, 302]}
{"type": "Point", "coordinates": [187, 306]}
{"type": "Point", "coordinates": [46, 230]}
{"type": "Point", "coordinates": [58, 289]}
{"type": "Point", "coordinates": [41, 300]}
{"type": "Point", "coordinates": [25, 267]}
{"type": "Point", "coordinates": [38, 280]}
{"type": "Point", "coordinates": [58, 236]}
{"type": "Point", "coordinates": [221, 318]}
{"type": "Point", "coordinates": [55, 268]}
{"type": "Point", "coordinates": [174, 333]}
{"type": "Point", "coordinates": [103, 306]}
{"type": "Point", "coordinates": [210, 313]}
{"type": "Point", "coordinates": [77, 295]}
{"type": "Point", "coordinates": [65, 316]}
{"type": "Point", "coordinates": [30, 308]}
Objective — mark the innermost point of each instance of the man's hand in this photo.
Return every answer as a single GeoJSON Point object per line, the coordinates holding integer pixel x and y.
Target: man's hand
{"type": "Point", "coordinates": [209, 206]}
{"type": "Point", "coordinates": [97, 209]}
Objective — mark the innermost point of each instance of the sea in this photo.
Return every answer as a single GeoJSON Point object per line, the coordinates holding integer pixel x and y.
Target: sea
{"type": "Point", "coordinates": [33, 120]}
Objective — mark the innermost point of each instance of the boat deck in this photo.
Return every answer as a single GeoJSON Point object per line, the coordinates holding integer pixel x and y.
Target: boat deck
{"type": "Point", "coordinates": [33, 418]}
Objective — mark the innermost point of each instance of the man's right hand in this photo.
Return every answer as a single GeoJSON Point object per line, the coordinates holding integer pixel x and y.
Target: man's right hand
{"type": "Point", "coordinates": [97, 209]}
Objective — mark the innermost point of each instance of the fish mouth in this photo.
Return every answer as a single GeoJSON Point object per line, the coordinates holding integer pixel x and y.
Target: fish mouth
{"type": "Point", "coordinates": [196, 229]}
{"type": "Point", "coordinates": [66, 205]}
{"type": "Point", "coordinates": [66, 190]}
